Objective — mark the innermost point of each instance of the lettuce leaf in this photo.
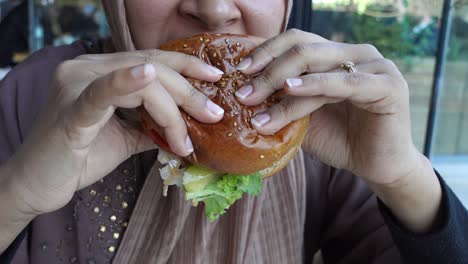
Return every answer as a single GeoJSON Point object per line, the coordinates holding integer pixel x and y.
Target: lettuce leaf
{"type": "Point", "coordinates": [219, 194]}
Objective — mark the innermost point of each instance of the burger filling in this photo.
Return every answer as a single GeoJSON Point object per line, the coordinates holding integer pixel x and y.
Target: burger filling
{"type": "Point", "coordinates": [218, 191]}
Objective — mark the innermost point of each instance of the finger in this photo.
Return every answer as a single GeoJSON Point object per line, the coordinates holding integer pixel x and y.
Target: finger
{"type": "Point", "coordinates": [136, 141]}
{"type": "Point", "coordinates": [304, 58]}
{"type": "Point", "coordinates": [275, 47]}
{"type": "Point", "coordinates": [285, 112]}
{"type": "Point", "coordinates": [376, 66]}
{"type": "Point", "coordinates": [189, 66]}
{"type": "Point", "coordinates": [188, 98]}
{"type": "Point", "coordinates": [93, 108]}
{"type": "Point", "coordinates": [139, 141]}
{"type": "Point", "coordinates": [376, 93]}
{"type": "Point", "coordinates": [95, 104]}
{"type": "Point", "coordinates": [165, 112]}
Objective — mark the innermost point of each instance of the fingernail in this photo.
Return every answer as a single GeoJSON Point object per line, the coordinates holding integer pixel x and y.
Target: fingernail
{"type": "Point", "coordinates": [143, 71]}
{"type": "Point", "coordinates": [261, 120]}
{"type": "Point", "coordinates": [294, 82]}
{"type": "Point", "coordinates": [215, 70]}
{"type": "Point", "coordinates": [244, 64]}
{"type": "Point", "coordinates": [214, 108]}
{"type": "Point", "coordinates": [245, 91]}
{"type": "Point", "coordinates": [188, 144]}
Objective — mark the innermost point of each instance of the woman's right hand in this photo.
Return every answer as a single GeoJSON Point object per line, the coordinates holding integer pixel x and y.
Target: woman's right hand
{"type": "Point", "coordinates": [77, 139]}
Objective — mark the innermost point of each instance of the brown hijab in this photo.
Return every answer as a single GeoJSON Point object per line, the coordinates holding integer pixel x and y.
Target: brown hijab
{"type": "Point", "coordinates": [143, 239]}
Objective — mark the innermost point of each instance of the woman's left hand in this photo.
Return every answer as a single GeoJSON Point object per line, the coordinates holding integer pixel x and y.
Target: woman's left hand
{"type": "Point", "coordinates": [360, 121]}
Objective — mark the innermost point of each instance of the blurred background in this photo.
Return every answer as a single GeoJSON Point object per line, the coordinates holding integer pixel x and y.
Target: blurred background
{"type": "Point", "coordinates": [428, 40]}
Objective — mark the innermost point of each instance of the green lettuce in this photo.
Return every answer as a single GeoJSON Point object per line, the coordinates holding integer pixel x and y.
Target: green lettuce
{"type": "Point", "coordinates": [218, 191]}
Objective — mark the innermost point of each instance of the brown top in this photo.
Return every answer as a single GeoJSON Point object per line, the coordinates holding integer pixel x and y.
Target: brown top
{"type": "Point", "coordinates": [308, 206]}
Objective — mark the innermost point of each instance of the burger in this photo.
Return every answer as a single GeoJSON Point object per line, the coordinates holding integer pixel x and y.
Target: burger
{"type": "Point", "coordinates": [230, 157]}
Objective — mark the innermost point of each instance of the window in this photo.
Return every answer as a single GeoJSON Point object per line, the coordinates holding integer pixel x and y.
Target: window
{"type": "Point", "coordinates": [32, 24]}
{"type": "Point", "coordinates": [60, 22]}
{"type": "Point", "coordinates": [405, 33]}
{"type": "Point", "coordinates": [449, 149]}
{"type": "Point", "coordinates": [410, 32]}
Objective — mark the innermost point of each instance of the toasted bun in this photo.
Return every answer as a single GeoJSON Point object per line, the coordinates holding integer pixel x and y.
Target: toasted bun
{"type": "Point", "coordinates": [231, 145]}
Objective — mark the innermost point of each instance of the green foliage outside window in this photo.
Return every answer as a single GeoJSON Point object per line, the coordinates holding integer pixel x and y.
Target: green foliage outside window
{"type": "Point", "coordinates": [397, 35]}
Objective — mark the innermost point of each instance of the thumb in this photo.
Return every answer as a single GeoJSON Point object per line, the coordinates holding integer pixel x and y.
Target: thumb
{"type": "Point", "coordinates": [136, 140]}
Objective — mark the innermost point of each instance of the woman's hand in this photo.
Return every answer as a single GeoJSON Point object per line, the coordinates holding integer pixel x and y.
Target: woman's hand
{"type": "Point", "coordinates": [360, 120]}
{"type": "Point", "coordinates": [78, 139]}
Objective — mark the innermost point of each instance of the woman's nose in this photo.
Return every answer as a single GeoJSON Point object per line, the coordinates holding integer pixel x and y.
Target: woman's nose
{"type": "Point", "coordinates": [210, 14]}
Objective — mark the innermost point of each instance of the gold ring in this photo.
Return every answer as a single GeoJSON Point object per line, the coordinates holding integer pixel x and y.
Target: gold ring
{"type": "Point", "coordinates": [348, 66]}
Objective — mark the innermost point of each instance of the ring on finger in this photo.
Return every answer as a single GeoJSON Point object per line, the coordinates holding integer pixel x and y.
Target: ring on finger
{"type": "Point", "coordinates": [348, 66]}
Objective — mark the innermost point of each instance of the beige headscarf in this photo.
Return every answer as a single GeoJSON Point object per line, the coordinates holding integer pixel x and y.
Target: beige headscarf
{"type": "Point", "coordinates": [143, 240]}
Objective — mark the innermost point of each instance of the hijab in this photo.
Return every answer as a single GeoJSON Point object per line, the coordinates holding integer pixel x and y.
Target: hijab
{"type": "Point", "coordinates": [143, 239]}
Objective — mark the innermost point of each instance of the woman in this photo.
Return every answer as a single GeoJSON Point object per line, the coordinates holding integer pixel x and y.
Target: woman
{"type": "Point", "coordinates": [70, 174]}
